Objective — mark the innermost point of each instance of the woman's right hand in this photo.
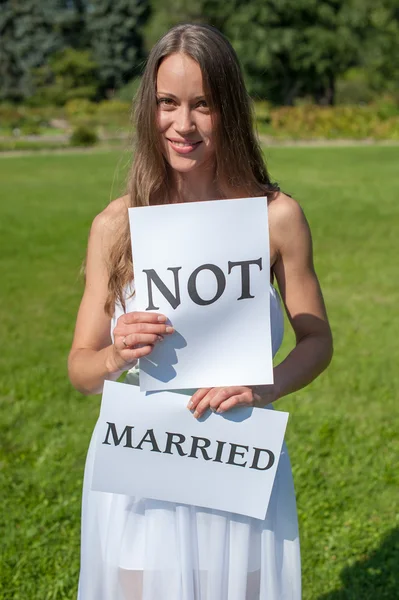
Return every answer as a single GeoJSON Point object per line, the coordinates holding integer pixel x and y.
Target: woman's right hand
{"type": "Point", "coordinates": [135, 336]}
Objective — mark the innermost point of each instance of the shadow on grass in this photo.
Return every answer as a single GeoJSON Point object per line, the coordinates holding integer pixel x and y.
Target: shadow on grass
{"type": "Point", "coordinates": [376, 577]}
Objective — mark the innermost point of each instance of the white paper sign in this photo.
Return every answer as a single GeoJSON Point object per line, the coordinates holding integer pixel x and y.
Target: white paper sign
{"type": "Point", "coordinates": [151, 446]}
{"type": "Point", "coordinates": [206, 266]}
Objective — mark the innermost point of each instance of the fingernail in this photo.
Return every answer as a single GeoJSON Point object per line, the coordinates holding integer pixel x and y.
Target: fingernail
{"type": "Point", "coordinates": [219, 410]}
{"type": "Point", "coordinates": [196, 414]}
{"type": "Point", "coordinates": [161, 318]}
{"type": "Point", "coordinates": [169, 330]}
{"type": "Point", "coordinates": [160, 338]}
{"type": "Point", "coordinates": [190, 405]}
{"type": "Point", "coordinates": [212, 409]}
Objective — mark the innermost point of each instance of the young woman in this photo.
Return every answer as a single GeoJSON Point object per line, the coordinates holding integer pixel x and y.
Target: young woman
{"type": "Point", "coordinates": [195, 142]}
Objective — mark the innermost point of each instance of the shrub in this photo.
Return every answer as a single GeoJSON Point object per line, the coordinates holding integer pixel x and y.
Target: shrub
{"type": "Point", "coordinates": [83, 135]}
{"type": "Point", "coordinates": [262, 112]}
{"type": "Point", "coordinates": [353, 122]}
{"type": "Point", "coordinates": [354, 88]}
{"type": "Point", "coordinates": [129, 91]}
{"type": "Point", "coordinates": [69, 74]}
{"type": "Point", "coordinates": [80, 107]}
{"type": "Point", "coordinates": [114, 115]}
{"type": "Point", "coordinates": [28, 120]}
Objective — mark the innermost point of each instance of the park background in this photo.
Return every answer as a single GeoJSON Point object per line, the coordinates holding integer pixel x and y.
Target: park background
{"type": "Point", "coordinates": [324, 76]}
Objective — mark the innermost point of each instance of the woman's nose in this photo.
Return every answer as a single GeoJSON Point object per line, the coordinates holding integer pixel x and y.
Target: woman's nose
{"type": "Point", "coordinates": [184, 123]}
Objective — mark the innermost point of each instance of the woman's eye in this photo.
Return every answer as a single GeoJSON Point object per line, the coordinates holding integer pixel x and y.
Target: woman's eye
{"type": "Point", "coordinates": [202, 104]}
{"type": "Point", "coordinates": [165, 101]}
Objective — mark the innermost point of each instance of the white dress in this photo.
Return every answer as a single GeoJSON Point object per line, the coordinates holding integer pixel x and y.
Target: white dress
{"type": "Point", "coordinates": [139, 549]}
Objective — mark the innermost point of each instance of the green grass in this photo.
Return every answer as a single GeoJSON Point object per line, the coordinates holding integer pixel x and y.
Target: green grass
{"type": "Point", "coordinates": [342, 432]}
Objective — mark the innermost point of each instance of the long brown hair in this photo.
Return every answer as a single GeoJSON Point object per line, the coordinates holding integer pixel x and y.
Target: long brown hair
{"type": "Point", "coordinates": [239, 160]}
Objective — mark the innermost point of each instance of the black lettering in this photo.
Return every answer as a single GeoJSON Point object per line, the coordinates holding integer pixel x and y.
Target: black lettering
{"type": "Point", "coordinates": [149, 438]}
{"type": "Point", "coordinates": [192, 284]}
{"type": "Point", "coordinates": [196, 446]}
{"type": "Point", "coordinates": [244, 264]}
{"type": "Point", "coordinates": [127, 431]}
{"type": "Point", "coordinates": [171, 442]}
{"type": "Point", "coordinates": [233, 453]}
{"type": "Point", "coordinates": [218, 457]}
{"type": "Point", "coordinates": [152, 276]}
{"type": "Point", "coordinates": [257, 456]}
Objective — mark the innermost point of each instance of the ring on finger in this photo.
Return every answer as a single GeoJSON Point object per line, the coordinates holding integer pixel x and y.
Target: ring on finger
{"type": "Point", "coordinates": [124, 342]}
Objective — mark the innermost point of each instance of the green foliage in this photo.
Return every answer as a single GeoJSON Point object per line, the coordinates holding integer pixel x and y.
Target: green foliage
{"type": "Point", "coordinates": [295, 48]}
{"type": "Point", "coordinates": [115, 30]}
{"type": "Point", "coordinates": [107, 116]}
{"type": "Point", "coordinates": [71, 21]}
{"type": "Point", "coordinates": [290, 49]}
{"type": "Point", "coordinates": [212, 12]}
{"type": "Point", "coordinates": [129, 91]}
{"type": "Point", "coordinates": [342, 432]}
{"type": "Point", "coordinates": [354, 88]}
{"type": "Point", "coordinates": [380, 47]}
{"type": "Point", "coordinates": [28, 37]}
{"type": "Point", "coordinates": [162, 18]}
{"type": "Point", "coordinates": [83, 135]}
{"type": "Point", "coordinates": [69, 74]}
{"type": "Point", "coordinates": [26, 120]}
{"type": "Point", "coordinates": [309, 121]}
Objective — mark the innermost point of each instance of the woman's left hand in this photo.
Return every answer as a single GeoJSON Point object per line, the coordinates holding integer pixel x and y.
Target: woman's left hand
{"type": "Point", "coordinates": [220, 399]}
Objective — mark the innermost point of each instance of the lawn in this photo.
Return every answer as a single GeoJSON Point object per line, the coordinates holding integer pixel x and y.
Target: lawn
{"type": "Point", "coordinates": [342, 432]}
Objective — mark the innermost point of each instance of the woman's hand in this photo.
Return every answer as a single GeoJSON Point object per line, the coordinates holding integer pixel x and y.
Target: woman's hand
{"type": "Point", "coordinates": [220, 399]}
{"type": "Point", "coordinates": [135, 336]}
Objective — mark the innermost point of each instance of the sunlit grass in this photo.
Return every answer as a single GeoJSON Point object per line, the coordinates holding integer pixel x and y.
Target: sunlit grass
{"type": "Point", "coordinates": [342, 432]}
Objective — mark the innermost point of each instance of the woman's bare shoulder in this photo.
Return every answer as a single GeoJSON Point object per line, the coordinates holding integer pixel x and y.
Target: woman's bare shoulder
{"type": "Point", "coordinates": [112, 216]}
{"type": "Point", "coordinates": [106, 226]}
{"type": "Point", "coordinates": [286, 217]}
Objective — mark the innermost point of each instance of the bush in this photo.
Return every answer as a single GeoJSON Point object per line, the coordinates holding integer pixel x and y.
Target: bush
{"type": "Point", "coordinates": [80, 107]}
{"type": "Point", "coordinates": [69, 74]}
{"type": "Point", "coordinates": [333, 122]}
{"type": "Point", "coordinates": [114, 115]}
{"type": "Point", "coordinates": [262, 112]}
{"type": "Point", "coordinates": [83, 136]}
{"type": "Point", "coordinates": [354, 88]}
{"type": "Point", "coordinates": [128, 91]}
{"type": "Point", "coordinates": [28, 120]}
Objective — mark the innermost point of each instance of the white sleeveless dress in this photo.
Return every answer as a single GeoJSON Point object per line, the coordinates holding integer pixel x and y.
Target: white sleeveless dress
{"type": "Point", "coordinates": [139, 549]}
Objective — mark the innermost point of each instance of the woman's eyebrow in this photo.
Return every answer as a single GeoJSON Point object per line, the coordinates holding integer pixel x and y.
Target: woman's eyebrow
{"type": "Point", "coordinates": [159, 93]}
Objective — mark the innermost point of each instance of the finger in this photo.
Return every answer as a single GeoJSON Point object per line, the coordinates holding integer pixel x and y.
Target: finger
{"type": "Point", "coordinates": [240, 400]}
{"type": "Point", "coordinates": [197, 397]}
{"type": "Point", "coordinates": [142, 317]}
{"type": "Point", "coordinates": [125, 359]}
{"type": "Point", "coordinates": [124, 330]}
{"type": "Point", "coordinates": [133, 339]}
{"type": "Point", "coordinates": [204, 404]}
{"type": "Point", "coordinates": [140, 352]}
{"type": "Point", "coordinates": [224, 394]}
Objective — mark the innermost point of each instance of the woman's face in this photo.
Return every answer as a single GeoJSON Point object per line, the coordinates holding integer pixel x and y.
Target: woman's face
{"type": "Point", "coordinates": [183, 116]}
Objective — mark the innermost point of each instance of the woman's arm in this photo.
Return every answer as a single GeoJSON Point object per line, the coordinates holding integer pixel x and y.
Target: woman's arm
{"type": "Point", "coordinates": [93, 357]}
{"type": "Point", "coordinates": [291, 243]}
{"type": "Point", "coordinates": [302, 297]}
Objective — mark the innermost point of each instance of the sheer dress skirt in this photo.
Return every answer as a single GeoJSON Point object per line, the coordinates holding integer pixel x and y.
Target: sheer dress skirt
{"type": "Point", "coordinates": [140, 549]}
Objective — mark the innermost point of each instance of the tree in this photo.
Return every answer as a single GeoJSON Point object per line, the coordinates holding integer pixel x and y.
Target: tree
{"type": "Point", "coordinates": [115, 28]}
{"type": "Point", "coordinates": [210, 12]}
{"type": "Point", "coordinates": [292, 48]}
{"type": "Point", "coordinates": [296, 48]}
{"type": "Point", "coordinates": [68, 75]}
{"type": "Point", "coordinates": [380, 50]}
{"type": "Point", "coordinates": [71, 22]}
{"type": "Point", "coordinates": [27, 37]}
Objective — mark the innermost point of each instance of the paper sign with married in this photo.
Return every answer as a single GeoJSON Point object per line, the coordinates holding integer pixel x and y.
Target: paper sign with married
{"type": "Point", "coordinates": [151, 446]}
{"type": "Point", "coordinates": [206, 266]}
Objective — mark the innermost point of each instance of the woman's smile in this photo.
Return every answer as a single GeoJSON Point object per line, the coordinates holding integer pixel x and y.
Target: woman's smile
{"type": "Point", "coordinates": [183, 147]}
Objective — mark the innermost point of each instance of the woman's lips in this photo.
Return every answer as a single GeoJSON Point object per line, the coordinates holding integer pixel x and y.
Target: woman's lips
{"type": "Point", "coordinates": [183, 147]}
